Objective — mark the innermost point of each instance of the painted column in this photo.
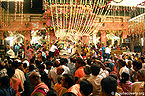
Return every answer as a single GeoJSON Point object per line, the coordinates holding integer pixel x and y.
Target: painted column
{"type": "Point", "coordinates": [27, 39]}
{"type": "Point", "coordinates": [85, 39]}
{"type": "Point", "coordinates": [103, 38]}
{"type": "Point", "coordinates": [52, 37]}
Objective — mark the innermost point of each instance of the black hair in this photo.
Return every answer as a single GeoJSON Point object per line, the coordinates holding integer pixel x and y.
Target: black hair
{"type": "Point", "coordinates": [49, 63]}
{"type": "Point", "coordinates": [108, 69]}
{"type": "Point", "coordinates": [114, 76]}
{"type": "Point", "coordinates": [137, 64]}
{"type": "Point", "coordinates": [125, 77]}
{"type": "Point", "coordinates": [1, 66]}
{"type": "Point", "coordinates": [95, 69]}
{"type": "Point", "coordinates": [15, 64]}
{"type": "Point", "coordinates": [62, 61]}
{"type": "Point", "coordinates": [10, 72]}
{"type": "Point", "coordinates": [31, 68]}
{"type": "Point", "coordinates": [10, 61]}
{"type": "Point", "coordinates": [19, 64]}
{"type": "Point", "coordinates": [59, 79]}
{"type": "Point", "coordinates": [41, 66]}
{"type": "Point", "coordinates": [69, 94]}
{"type": "Point", "coordinates": [86, 87]}
{"type": "Point", "coordinates": [48, 57]}
{"type": "Point", "coordinates": [122, 63]}
{"type": "Point", "coordinates": [89, 61]}
{"type": "Point", "coordinates": [55, 65]}
{"type": "Point", "coordinates": [37, 62]}
{"type": "Point", "coordinates": [65, 60]}
{"type": "Point", "coordinates": [80, 61]}
{"type": "Point", "coordinates": [32, 60]}
{"type": "Point", "coordinates": [87, 70]}
{"type": "Point", "coordinates": [5, 81]}
{"type": "Point", "coordinates": [109, 85]}
{"type": "Point", "coordinates": [52, 93]}
{"type": "Point", "coordinates": [69, 79]}
{"type": "Point", "coordinates": [71, 59]}
{"type": "Point", "coordinates": [24, 65]}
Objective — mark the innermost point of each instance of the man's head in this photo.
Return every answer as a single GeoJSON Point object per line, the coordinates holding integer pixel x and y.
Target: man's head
{"type": "Point", "coordinates": [141, 75]}
{"type": "Point", "coordinates": [137, 65]}
{"type": "Point", "coordinates": [109, 85]}
{"type": "Point", "coordinates": [95, 69]}
{"type": "Point", "coordinates": [35, 78]}
{"type": "Point", "coordinates": [86, 87]}
{"type": "Point", "coordinates": [60, 70]}
{"type": "Point", "coordinates": [121, 63]}
{"type": "Point", "coordinates": [67, 80]}
{"type": "Point", "coordinates": [56, 63]}
{"type": "Point", "coordinates": [79, 62]}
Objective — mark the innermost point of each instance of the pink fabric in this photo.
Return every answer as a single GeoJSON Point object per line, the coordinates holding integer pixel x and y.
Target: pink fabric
{"type": "Point", "coordinates": [75, 89]}
{"type": "Point", "coordinates": [16, 85]}
{"type": "Point", "coordinates": [41, 85]}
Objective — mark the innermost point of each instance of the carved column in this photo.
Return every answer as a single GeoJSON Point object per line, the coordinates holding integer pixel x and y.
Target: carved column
{"type": "Point", "coordinates": [103, 38]}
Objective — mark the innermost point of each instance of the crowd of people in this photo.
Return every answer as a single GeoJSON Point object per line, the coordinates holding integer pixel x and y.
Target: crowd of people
{"type": "Point", "coordinates": [89, 71]}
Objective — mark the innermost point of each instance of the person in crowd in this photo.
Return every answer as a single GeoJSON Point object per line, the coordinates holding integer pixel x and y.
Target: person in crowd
{"type": "Point", "coordinates": [59, 88]}
{"type": "Point", "coordinates": [108, 86]}
{"type": "Point", "coordinates": [87, 70]}
{"type": "Point", "coordinates": [3, 71]}
{"type": "Point", "coordinates": [40, 88]}
{"type": "Point", "coordinates": [44, 76]}
{"type": "Point", "coordinates": [125, 82]}
{"type": "Point", "coordinates": [103, 50]}
{"type": "Point", "coordinates": [40, 58]}
{"type": "Point", "coordinates": [55, 73]}
{"type": "Point", "coordinates": [19, 73]}
{"type": "Point", "coordinates": [52, 50]}
{"type": "Point", "coordinates": [15, 83]}
{"type": "Point", "coordinates": [17, 48]}
{"type": "Point", "coordinates": [108, 52]}
{"type": "Point", "coordinates": [5, 88]}
{"type": "Point", "coordinates": [52, 93]}
{"type": "Point", "coordinates": [119, 89]}
{"type": "Point", "coordinates": [80, 69]}
{"type": "Point", "coordinates": [71, 66]}
{"type": "Point", "coordinates": [43, 52]}
{"type": "Point", "coordinates": [86, 88]}
{"type": "Point", "coordinates": [123, 67]}
{"type": "Point", "coordinates": [137, 65]}
{"type": "Point", "coordinates": [28, 53]}
{"type": "Point", "coordinates": [139, 87]}
{"type": "Point", "coordinates": [63, 63]}
{"type": "Point", "coordinates": [20, 54]}
{"type": "Point", "coordinates": [11, 53]}
{"type": "Point", "coordinates": [98, 73]}
{"type": "Point", "coordinates": [68, 81]}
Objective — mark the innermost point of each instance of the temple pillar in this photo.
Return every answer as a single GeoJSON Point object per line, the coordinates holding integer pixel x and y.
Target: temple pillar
{"type": "Point", "coordinates": [27, 39]}
{"type": "Point", "coordinates": [103, 38]}
{"type": "Point", "coordinates": [52, 37]}
{"type": "Point", "coordinates": [132, 43]}
{"type": "Point", "coordinates": [143, 49]}
{"type": "Point", "coordinates": [85, 39]}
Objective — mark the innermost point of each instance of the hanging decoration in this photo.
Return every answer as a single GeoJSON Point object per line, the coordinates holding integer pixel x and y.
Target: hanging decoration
{"type": "Point", "coordinates": [31, 3]}
{"type": "Point", "coordinates": [76, 15]}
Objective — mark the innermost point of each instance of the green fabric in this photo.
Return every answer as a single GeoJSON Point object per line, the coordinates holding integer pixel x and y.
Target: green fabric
{"type": "Point", "coordinates": [38, 94]}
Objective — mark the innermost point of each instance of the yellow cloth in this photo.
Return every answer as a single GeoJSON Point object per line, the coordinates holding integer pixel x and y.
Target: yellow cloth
{"type": "Point", "coordinates": [59, 89]}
